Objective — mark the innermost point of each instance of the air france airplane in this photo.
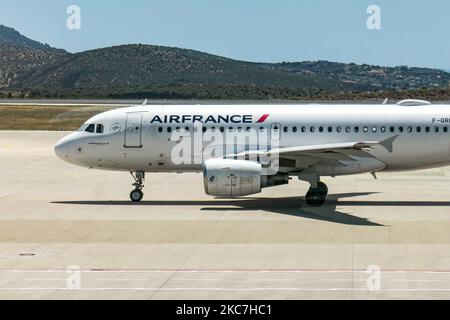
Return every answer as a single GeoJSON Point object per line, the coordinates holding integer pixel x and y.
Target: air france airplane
{"type": "Point", "coordinates": [269, 144]}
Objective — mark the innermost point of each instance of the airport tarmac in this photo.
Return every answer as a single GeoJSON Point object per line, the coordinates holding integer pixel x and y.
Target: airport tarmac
{"type": "Point", "coordinates": [69, 232]}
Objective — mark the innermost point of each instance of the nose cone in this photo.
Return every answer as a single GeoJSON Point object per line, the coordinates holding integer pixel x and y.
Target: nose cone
{"type": "Point", "coordinates": [63, 148]}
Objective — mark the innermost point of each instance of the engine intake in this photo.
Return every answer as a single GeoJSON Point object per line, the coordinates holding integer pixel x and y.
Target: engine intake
{"type": "Point", "coordinates": [236, 178]}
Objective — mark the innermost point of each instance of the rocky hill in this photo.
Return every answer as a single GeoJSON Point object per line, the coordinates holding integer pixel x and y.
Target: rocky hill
{"type": "Point", "coordinates": [29, 67]}
{"type": "Point", "coordinates": [143, 65]}
{"type": "Point", "coordinates": [369, 77]}
{"type": "Point", "coordinates": [13, 37]}
{"type": "Point", "coordinates": [18, 64]}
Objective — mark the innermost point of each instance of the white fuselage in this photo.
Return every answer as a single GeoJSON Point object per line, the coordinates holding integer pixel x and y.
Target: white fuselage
{"type": "Point", "coordinates": [142, 138]}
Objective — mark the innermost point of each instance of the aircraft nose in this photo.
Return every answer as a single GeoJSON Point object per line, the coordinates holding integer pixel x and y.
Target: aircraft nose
{"type": "Point", "coordinates": [62, 148]}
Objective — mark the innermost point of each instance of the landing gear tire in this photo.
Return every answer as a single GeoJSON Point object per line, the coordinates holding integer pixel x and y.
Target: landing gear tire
{"type": "Point", "coordinates": [136, 195]}
{"type": "Point", "coordinates": [316, 197]}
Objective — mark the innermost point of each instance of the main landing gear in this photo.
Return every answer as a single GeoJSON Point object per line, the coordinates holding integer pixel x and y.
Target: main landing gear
{"type": "Point", "coordinates": [139, 177]}
{"type": "Point", "coordinates": [318, 191]}
{"type": "Point", "coordinates": [316, 197]}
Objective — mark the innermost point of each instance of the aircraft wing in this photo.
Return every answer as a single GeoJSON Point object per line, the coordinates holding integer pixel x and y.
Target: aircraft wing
{"type": "Point", "coordinates": [330, 152]}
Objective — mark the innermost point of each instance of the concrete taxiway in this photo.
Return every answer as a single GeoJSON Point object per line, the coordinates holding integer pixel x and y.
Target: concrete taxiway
{"type": "Point", "coordinates": [69, 232]}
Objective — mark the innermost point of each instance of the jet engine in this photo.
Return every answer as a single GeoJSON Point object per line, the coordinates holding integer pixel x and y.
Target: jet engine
{"type": "Point", "coordinates": [236, 178]}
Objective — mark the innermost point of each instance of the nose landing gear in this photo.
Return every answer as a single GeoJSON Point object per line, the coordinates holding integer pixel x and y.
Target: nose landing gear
{"type": "Point", "coordinates": [139, 177]}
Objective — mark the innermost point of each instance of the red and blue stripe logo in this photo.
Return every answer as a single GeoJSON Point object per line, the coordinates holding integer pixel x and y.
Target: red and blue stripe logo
{"type": "Point", "coordinates": [263, 118]}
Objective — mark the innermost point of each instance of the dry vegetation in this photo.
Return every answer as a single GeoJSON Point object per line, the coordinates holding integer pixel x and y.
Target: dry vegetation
{"type": "Point", "coordinates": [58, 118]}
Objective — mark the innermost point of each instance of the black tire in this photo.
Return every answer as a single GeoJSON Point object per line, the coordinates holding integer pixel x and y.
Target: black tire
{"type": "Point", "coordinates": [136, 195]}
{"type": "Point", "coordinates": [316, 197]}
{"type": "Point", "coordinates": [322, 188]}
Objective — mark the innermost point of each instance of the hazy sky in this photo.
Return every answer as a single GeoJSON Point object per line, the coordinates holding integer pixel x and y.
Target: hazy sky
{"type": "Point", "coordinates": [413, 32]}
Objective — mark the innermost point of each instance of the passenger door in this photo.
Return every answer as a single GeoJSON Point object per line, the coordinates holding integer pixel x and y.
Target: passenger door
{"type": "Point", "coordinates": [276, 132]}
{"type": "Point", "coordinates": [133, 131]}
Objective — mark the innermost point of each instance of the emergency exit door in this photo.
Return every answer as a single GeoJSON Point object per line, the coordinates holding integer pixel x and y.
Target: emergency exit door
{"type": "Point", "coordinates": [133, 130]}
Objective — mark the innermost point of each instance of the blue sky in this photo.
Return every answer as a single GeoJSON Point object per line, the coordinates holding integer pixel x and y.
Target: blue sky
{"type": "Point", "coordinates": [414, 32]}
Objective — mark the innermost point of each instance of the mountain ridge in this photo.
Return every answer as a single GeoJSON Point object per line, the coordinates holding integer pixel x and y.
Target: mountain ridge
{"type": "Point", "coordinates": [13, 37]}
{"type": "Point", "coordinates": [29, 66]}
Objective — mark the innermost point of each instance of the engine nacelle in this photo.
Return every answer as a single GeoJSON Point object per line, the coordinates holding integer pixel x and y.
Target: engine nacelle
{"type": "Point", "coordinates": [236, 178]}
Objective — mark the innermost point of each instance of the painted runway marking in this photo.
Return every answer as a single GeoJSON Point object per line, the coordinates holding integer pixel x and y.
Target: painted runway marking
{"type": "Point", "coordinates": [414, 280]}
{"type": "Point", "coordinates": [275, 279]}
{"type": "Point", "coordinates": [247, 280]}
{"type": "Point", "coordinates": [280, 271]}
{"type": "Point", "coordinates": [196, 279]}
{"type": "Point", "coordinates": [348, 279]}
{"type": "Point", "coordinates": [45, 279]}
{"type": "Point", "coordinates": [228, 289]}
{"type": "Point", "coordinates": [229, 277]}
{"type": "Point", "coordinates": [121, 279]}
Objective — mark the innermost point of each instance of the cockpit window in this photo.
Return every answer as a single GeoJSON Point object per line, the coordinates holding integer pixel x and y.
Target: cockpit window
{"type": "Point", "coordinates": [100, 128]}
{"type": "Point", "coordinates": [83, 127]}
{"type": "Point", "coordinates": [90, 128]}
